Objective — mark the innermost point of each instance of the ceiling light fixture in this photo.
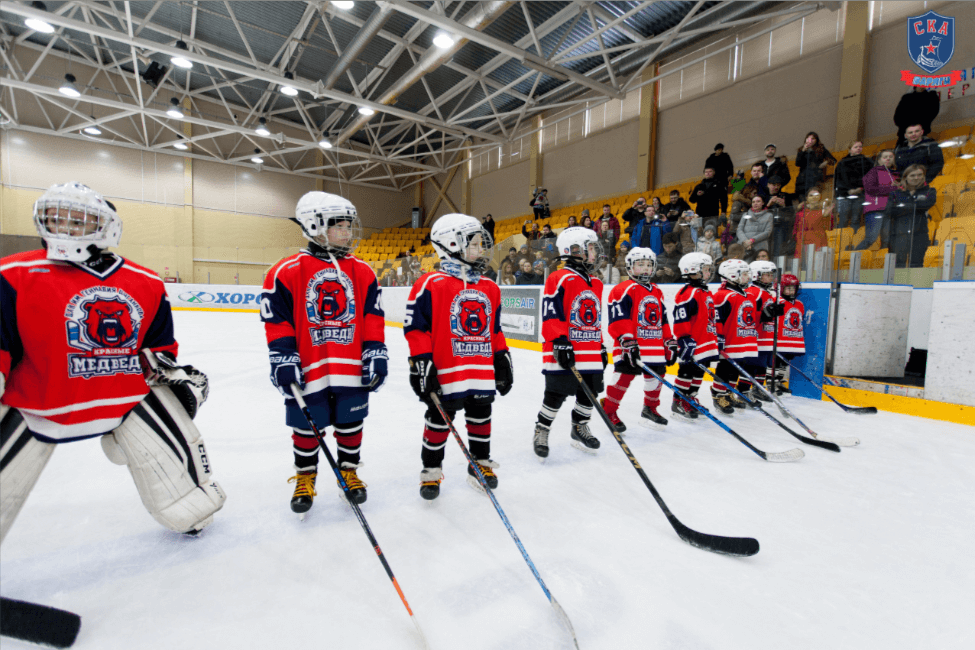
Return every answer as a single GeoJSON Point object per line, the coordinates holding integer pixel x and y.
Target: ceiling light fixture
{"type": "Point", "coordinates": [37, 24]}
{"type": "Point", "coordinates": [257, 160]}
{"type": "Point", "coordinates": [179, 61]}
{"type": "Point", "coordinates": [365, 110]}
{"type": "Point", "coordinates": [92, 130]}
{"type": "Point", "coordinates": [443, 40]}
{"type": "Point", "coordinates": [180, 146]}
{"type": "Point", "coordinates": [344, 6]}
{"type": "Point", "coordinates": [174, 111]}
{"type": "Point", "coordinates": [324, 143]}
{"type": "Point", "coordinates": [68, 89]}
{"type": "Point", "coordinates": [290, 91]}
{"type": "Point", "coordinates": [966, 156]}
{"type": "Point", "coordinates": [262, 128]}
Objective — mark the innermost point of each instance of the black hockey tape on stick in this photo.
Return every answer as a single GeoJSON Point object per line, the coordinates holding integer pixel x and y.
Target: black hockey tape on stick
{"type": "Point", "coordinates": [38, 623]}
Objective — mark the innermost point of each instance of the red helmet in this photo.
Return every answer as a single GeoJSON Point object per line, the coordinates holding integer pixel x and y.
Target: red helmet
{"type": "Point", "coordinates": [789, 280]}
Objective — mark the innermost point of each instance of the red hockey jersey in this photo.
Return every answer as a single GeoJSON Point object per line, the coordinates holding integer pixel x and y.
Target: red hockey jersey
{"type": "Point", "coordinates": [571, 307]}
{"type": "Point", "coordinates": [762, 297]}
{"type": "Point", "coordinates": [736, 321]}
{"type": "Point", "coordinates": [694, 317]}
{"type": "Point", "coordinates": [458, 325]}
{"type": "Point", "coordinates": [791, 336]}
{"type": "Point", "coordinates": [326, 314]}
{"type": "Point", "coordinates": [638, 311]}
{"type": "Point", "coordinates": [70, 341]}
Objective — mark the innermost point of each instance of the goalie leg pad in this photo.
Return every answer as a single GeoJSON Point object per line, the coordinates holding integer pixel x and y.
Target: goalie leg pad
{"type": "Point", "coordinates": [22, 459]}
{"type": "Point", "coordinates": [168, 462]}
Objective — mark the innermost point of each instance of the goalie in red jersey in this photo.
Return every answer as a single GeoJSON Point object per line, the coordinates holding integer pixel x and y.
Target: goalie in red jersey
{"type": "Point", "coordinates": [87, 350]}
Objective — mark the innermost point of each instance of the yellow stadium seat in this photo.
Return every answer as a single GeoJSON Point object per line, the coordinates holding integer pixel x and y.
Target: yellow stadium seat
{"type": "Point", "coordinates": [933, 256]}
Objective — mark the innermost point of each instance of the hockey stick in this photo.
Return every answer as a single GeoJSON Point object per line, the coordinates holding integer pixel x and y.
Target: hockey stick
{"type": "Point", "coordinates": [740, 546]}
{"type": "Point", "coordinates": [296, 393]}
{"type": "Point", "coordinates": [38, 623]}
{"type": "Point", "coordinates": [858, 410]}
{"type": "Point", "coordinates": [775, 326]}
{"type": "Point", "coordinates": [757, 406]}
{"type": "Point", "coordinates": [559, 612]}
{"type": "Point", "coordinates": [842, 442]}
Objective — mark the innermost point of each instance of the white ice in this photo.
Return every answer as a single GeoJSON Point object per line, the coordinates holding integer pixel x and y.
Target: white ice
{"type": "Point", "coordinates": [868, 548]}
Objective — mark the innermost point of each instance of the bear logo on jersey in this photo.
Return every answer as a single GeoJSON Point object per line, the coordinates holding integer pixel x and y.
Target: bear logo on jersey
{"type": "Point", "coordinates": [330, 307]}
{"type": "Point", "coordinates": [470, 323]}
{"type": "Point", "coordinates": [649, 317]}
{"type": "Point", "coordinates": [792, 324]}
{"type": "Point", "coordinates": [746, 320]}
{"type": "Point", "coordinates": [104, 323]}
{"type": "Point", "coordinates": [584, 317]}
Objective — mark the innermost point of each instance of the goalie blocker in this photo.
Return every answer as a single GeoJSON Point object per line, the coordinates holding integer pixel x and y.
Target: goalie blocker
{"type": "Point", "coordinates": [157, 441]}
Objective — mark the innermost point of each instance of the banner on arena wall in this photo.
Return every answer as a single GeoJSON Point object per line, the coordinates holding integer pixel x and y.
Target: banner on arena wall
{"type": "Point", "coordinates": [815, 296]}
{"type": "Point", "coordinates": [228, 297]}
{"type": "Point", "coordinates": [521, 313]}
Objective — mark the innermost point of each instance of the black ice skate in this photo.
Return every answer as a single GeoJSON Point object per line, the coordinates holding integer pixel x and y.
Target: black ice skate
{"type": "Point", "coordinates": [582, 438]}
{"type": "Point", "coordinates": [487, 468]}
{"type": "Point", "coordinates": [541, 441]}
{"type": "Point", "coordinates": [722, 402]}
{"type": "Point", "coordinates": [430, 478]}
{"type": "Point", "coordinates": [682, 409]}
{"type": "Point", "coordinates": [357, 489]}
{"type": "Point", "coordinates": [737, 402]}
{"type": "Point", "coordinates": [650, 419]}
{"type": "Point", "coordinates": [615, 419]}
{"type": "Point", "coordinates": [305, 493]}
{"type": "Point", "coordinates": [757, 394]}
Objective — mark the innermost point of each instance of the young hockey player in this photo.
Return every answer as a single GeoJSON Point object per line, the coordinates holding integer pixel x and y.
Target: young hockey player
{"type": "Point", "coordinates": [694, 329]}
{"type": "Point", "coordinates": [791, 316]}
{"type": "Point", "coordinates": [572, 329]}
{"type": "Point", "coordinates": [457, 349]}
{"type": "Point", "coordinates": [640, 330]}
{"type": "Point", "coordinates": [74, 321]}
{"type": "Point", "coordinates": [325, 329]}
{"type": "Point", "coordinates": [737, 328]}
{"type": "Point", "coordinates": [760, 291]}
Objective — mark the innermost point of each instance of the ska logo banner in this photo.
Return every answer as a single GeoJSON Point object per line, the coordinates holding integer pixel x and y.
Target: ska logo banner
{"type": "Point", "coordinates": [931, 40]}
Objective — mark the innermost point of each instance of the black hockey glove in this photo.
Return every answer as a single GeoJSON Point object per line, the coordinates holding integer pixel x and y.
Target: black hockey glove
{"type": "Point", "coordinates": [604, 355]}
{"type": "Point", "coordinates": [375, 365]}
{"type": "Point", "coordinates": [423, 377]}
{"type": "Point", "coordinates": [720, 343]}
{"type": "Point", "coordinates": [190, 386]}
{"type": "Point", "coordinates": [771, 310]}
{"type": "Point", "coordinates": [630, 350]}
{"type": "Point", "coordinates": [685, 349]}
{"type": "Point", "coordinates": [504, 373]}
{"type": "Point", "coordinates": [285, 370]}
{"type": "Point", "coordinates": [563, 353]}
{"type": "Point", "coordinates": [670, 350]}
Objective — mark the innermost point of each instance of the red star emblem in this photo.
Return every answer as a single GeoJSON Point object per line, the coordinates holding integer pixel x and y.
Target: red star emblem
{"type": "Point", "coordinates": [930, 48]}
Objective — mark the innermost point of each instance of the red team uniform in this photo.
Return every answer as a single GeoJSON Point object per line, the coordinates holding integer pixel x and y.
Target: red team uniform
{"type": "Point", "coordinates": [737, 326]}
{"type": "Point", "coordinates": [791, 316]}
{"type": "Point", "coordinates": [695, 331]}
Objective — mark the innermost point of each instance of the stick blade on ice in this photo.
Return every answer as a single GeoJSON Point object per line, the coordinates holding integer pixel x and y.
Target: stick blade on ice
{"type": "Point", "coordinates": [736, 546]}
{"type": "Point", "coordinates": [38, 623]}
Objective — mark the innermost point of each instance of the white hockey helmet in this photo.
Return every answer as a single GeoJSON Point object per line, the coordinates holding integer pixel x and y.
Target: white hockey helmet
{"type": "Point", "coordinates": [644, 274]}
{"type": "Point", "coordinates": [694, 263]}
{"type": "Point", "coordinates": [330, 221]}
{"type": "Point", "coordinates": [71, 218]}
{"type": "Point", "coordinates": [463, 238]}
{"type": "Point", "coordinates": [735, 271]}
{"type": "Point", "coordinates": [579, 245]}
{"type": "Point", "coordinates": [761, 267]}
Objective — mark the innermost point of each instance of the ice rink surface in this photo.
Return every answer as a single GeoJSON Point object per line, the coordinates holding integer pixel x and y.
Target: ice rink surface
{"type": "Point", "coordinates": [868, 548]}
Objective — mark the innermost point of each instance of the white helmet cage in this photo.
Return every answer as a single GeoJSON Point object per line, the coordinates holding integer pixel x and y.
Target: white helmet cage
{"type": "Point", "coordinates": [636, 255]}
{"type": "Point", "coordinates": [322, 217]}
{"type": "Point", "coordinates": [580, 245]}
{"type": "Point", "coordinates": [735, 271]}
{"type": "Point", "coordinates": [759, 268]}
{"type": "Point", "coordinates": [71, 218]}
{"type": "Point", "coordinates": [694, 263]}
{"type": "Point", "coordinates": [463, 238]}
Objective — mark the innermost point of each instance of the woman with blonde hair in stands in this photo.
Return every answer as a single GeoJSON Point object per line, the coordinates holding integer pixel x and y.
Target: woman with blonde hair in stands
{"type": "Point", "coordinates": [506, 277]}
{"type": "Point", "coordinates": [812, 221]}
{"type": "Point", "coordinates": [906, 217]}
{"type": "Point", "coordinates": [878, 183]}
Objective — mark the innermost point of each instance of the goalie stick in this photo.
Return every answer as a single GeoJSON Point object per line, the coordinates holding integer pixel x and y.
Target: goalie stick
{"type": "Point", "coordinates": [296, 393]}
{"type": "Point", "coordinates": [858, 410]}
{"type": "Point", "coordinates": [842, 442]}
{"type": "Point", "coordinates": [739, 546]}
{"type": "Point", "coordinates": [758, 407]}
{"type": "Point", "coordinates": [38, 623]}
{"type": "Point", "coordinates": [559, 612]}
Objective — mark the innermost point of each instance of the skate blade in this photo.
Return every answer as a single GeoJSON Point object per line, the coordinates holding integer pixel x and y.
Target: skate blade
{"type": "Point", "coordinates": [474, 483]}
{"type": "Point", "coordinates": [647, 424]}
{"type": "Point", "coordinates": [581, 447]}
{"type": "Point", "coordinates": [301, 516]}
{"type": "Point", "coordinates": [684, 418]}
{"type": "Point", "coordinates": [541, 459]}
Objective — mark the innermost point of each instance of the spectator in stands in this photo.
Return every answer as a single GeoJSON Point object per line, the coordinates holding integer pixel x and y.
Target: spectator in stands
{"type": "Point", "coordinates": [535, 233]}
{"type": "Point", "coordinates": [539, 203]}
{"type": "Point", "coordinates": [919, 106]}
{"type": "Point", "coordinates": [755, 228]}
{"type": "Point", "coordinates": [676, 207]}
{"type": "Point", "coordinates": [878, 183]}
{"type": "Point", "coordinates": [657, 206]}
{"type": "Point", "coordinates": [710, 195]}
{"type": "Point", "coordinates": [783, 218]}
{"type": "Point", "coordinates": [523, 254]}
{"type": "Point", "coordinates": [688, 231]}
{"type": "Point", "coordinates": [848, 186]}
{"type": "Point", "coordinates": [812, 159]}
{"type": "Point", "coordinates": [586, 221]}
{"type": "Point", "coordinates": [741, 202]}
{"type": "Point", "coordinates": [776, 166]}
{"type": "Point", "coordinates": [721, 163]}
{"type": "Point", "coordinates": [907, 216]}
{"type": "Point", "coordinates": [547, 232]}
{"type": "Point", "coordinates": [621, 257]}
{"type": "Point", "coordinates": [635, 213]}
{"type": "Point", "coordinates": [513, 256]}
{"type": "Point", "coordinates": [539, 268]}
{"type": "Point", "coordinates": [607, 217]}
{"type": "Point", "coordinates": [919, 150]}
{"type": "Point", "coordinates": [608, 239]}
{"type": "Point", "coordinates": [758, 180]}
{"type": "Point", "coordinates": [607, 272]}
{"type": "Point", "coordinates": [527, 276]}
{"type": "Point", "coordinates": [812, 221]}
{"type": "Point", "coordinates": [489, 225]}
{"type": "Point", "coordinates": [572, 222]}
{"type": "Point", "coordinates": [506, 278]}
{"type": "Point", "coordinates": [708, 243]}
{"type": "Point", "coordinates": [489, 272]}
{"type": "Point", "coordinates": [735, 252]}
{"type": "Point", "coordinates": [668, 261]}
{"type": "Point", "coordinates": [762, 256]}
{"type": "Point", "coordinates": [649, 232]}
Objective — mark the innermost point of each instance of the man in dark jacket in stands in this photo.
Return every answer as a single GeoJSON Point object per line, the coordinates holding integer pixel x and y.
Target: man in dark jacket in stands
{"type": "Point", "coordinates": [848, 181]}
{"type": "Point", "coordinates": [783, 218]}
{"type": "Point", "coordinates": [635, 212]}
{"type": "Point", "coordinates": [721, 163]}
{"type": "Point", "coordinates": [920, 106]}
{"type": "Point", "coordinates": [676, 207]}
{"type": "Point", "coordinates": [919, 150]}
{"type": "Point", "coordinates": [668, 262]}
{"type": "Point", "coordinates": [776, 166]}
{"type": "Point", "coordinates": [547, 232]}
{"type": "Point", "coordinates": [710, 195]}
